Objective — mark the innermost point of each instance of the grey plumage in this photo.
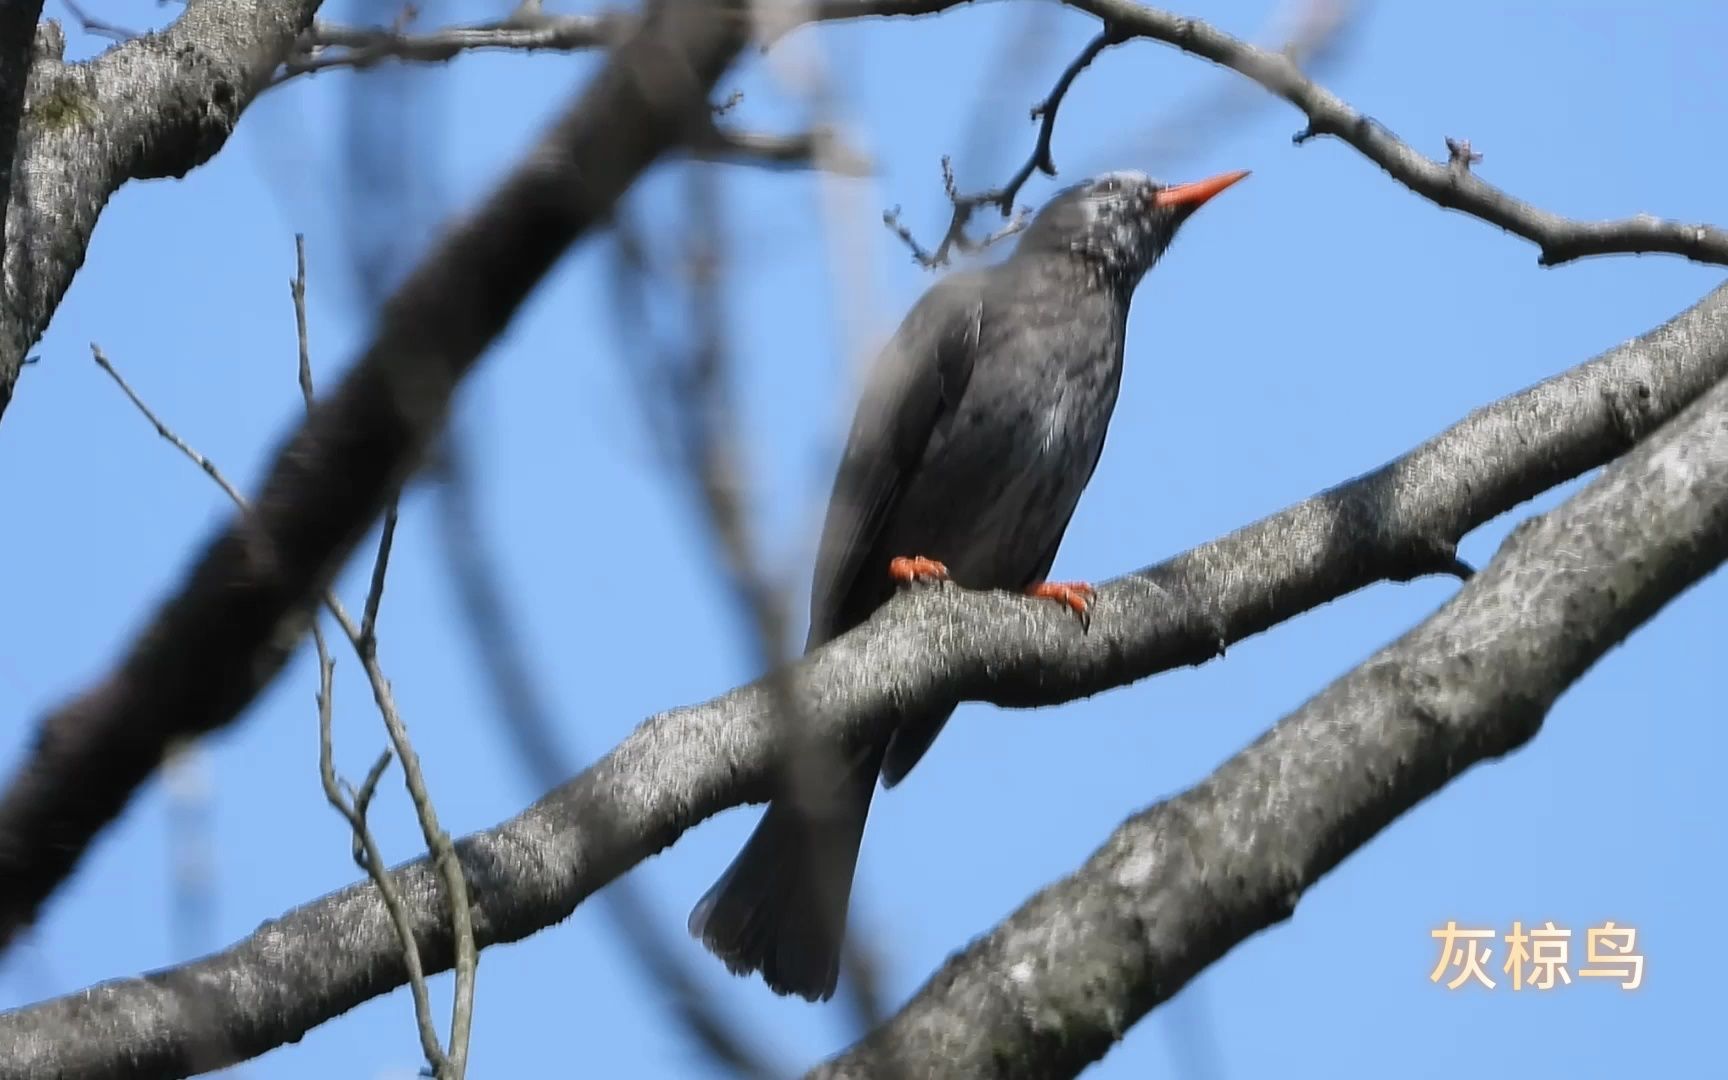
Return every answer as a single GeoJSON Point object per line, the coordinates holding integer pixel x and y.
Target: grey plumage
{"type": "Point", "coordinates": [978, 428]}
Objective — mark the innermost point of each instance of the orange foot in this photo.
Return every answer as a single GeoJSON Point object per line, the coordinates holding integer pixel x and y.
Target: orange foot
{"type": "Point", "coordinates": [1076, 594]}
{"type": "Point", "coordinates": [916, 569]}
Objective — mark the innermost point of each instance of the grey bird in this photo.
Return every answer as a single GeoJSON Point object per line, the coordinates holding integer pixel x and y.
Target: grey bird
{"type": "Point", "coordinates": [978, 428]}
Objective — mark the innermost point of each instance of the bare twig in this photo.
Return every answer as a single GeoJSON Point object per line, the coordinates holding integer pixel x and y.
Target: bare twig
{"type": "Point", "coordinates": [204, 463]}
{"type": "Point", "coordinates": [98, 27]}
{"type": "Point", "coordinates": [819, 148]}
{"type": "Point", "coordinates": [1460, 154]}
{"type": "Point", "coordinates": [1449, 184]}
{"type": "Point", "coordinates": [369, 614]}
{"type": "Point", "coordinates": [438, 843]}
{"type": "Point", "coordinates": [297, 291]}
{"type": "Point", "coordinates": [326, 45]}
{"type": "Point", "coordinates": [1560, 239]}
{"type": "Point", "coordinates": [367, 853]}
{"type": "Point", "coordinates": [364, 639]}
{"type": "Point", "coordinates": [1311, 33]}
{"type": "Point", "coordinates": [371, 858]}
{"type": "Point", "coordinates": [1002, 198]}
{"type": "Point", "coordinates": [1444, 183]}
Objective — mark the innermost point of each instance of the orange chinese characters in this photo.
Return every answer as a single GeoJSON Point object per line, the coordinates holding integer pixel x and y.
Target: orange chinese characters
{"type": "Point", "coordinates": [1462, 949]}
{"type": "Point", "coordinates": [1545, 950]}
{"type": "Point", "coordinates": [1608, 948]}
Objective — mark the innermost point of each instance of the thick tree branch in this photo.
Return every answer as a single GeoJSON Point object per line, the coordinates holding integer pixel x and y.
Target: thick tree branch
{"type": "Point", "coordinates": [159, 105]}
{"type": "Point", "coordinates": [1055, 985]}
{"type": "Point", "coordinates": [1442, 182]}
{"type": "Point", "coordinates": [17, 52]}
{"type": "Point", "coordinates": [932, 647]}
{"type": "Point", "coordinates": [247, 602]}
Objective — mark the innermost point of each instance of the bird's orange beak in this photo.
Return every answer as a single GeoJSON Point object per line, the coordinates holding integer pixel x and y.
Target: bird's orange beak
{"type": "Point", "coordinates": [1192, 195]}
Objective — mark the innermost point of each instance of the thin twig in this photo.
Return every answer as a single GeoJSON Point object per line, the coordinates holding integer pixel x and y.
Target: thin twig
{"type": "Point", "coordinates": [1560, 239]}
{"type": "Point", "coordinates": [818, 148]}
{"type": "Point", "coordinates": [371, 859]}
{"type": "Point", "coordinates": [98, 27]}
{"type": "Point", "coordinates": [375, 594]}
{"type": "Point", "coordinates": [326, 46]}
{"type": "Point", "coordinates": [438, 842]}
{"type": "Point", "coordinates": [1442, 182]}
{"type": "Point", "coordinates": [163, 430]}
{"type": "Point", "coordinates": [297, 290]}
{"type": "Point", "coordinates": [364, 640]}
{"type": "Point", "coordinates": [1002, 198]}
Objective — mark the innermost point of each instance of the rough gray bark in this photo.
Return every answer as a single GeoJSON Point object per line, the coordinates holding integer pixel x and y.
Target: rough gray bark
{"type": "Point", "coordinates": [158, 105]}
{"type": "Point", "coordinates": [246, 602]}
{"type": "Point", "coordinates": [17, 50]}
{"type": "Point", "coordinates": [938, 646]}
{"type": "Point", "coordinates": [1056, 984]}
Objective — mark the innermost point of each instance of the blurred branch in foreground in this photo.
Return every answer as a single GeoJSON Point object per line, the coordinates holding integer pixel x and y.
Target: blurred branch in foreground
{"type": "Point", "coordinates": [247, 600]}
{"type": "Point", "coordinates": [686, 391]}
{"type": "Point", "coordinates": [533, 735]}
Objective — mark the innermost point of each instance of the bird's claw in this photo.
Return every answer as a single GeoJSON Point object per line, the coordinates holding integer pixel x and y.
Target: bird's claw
{"type": "Point", "coordinates": [908, 570]}
{"type": "Point", "coordinates": [1077, 595]}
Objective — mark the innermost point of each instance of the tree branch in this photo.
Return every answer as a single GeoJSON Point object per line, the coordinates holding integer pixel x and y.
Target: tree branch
{"type": "Point", "coordinates": [246, 603]}
{"type": "Point", "coordinates": [1441, 182]}
{"type": "Point", "coordinates": [17, 52]}
{"type": "Point", "coordinates": [921, 650]}
{"type": "Point", "coordinates": [819, 148]}
{"type": "Point", "coordinates": [1055, 985]}
{"type": "Point", "coordinates": [1560, 239]}
{"type": "Point", "coordinates": [362, 636]}
{"type": "Point", "coordinates": [364, 640]}
{"type": "Point", "coordinates": [1002, 198]}
{"type": "Point", "coordinates": [327, 46]}
{"type": "Point", "coordinates": [156, 106]}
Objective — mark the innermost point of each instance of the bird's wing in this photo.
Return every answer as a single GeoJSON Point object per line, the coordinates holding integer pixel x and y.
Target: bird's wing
{"type": "Point", "coordinates": [915, 383]}
{"type": "Point", "coordinates": [1041, 572]}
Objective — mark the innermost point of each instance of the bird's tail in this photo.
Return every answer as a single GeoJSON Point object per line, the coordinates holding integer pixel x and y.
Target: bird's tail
{"type": "Point", "coordinates": [780, 908]}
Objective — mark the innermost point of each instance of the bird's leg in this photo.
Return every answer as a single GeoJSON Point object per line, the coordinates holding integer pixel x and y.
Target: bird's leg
{"type": "Point", "coordinates": [908, 570]}
{"type": "Point", "coordinates": [1076, 594]}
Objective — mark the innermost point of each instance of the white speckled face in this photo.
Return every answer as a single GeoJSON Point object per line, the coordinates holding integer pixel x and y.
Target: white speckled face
{"type": "Point", "coordinates": [1112, 218]}
{"type": "Point", "coordinates": [1119, 212]}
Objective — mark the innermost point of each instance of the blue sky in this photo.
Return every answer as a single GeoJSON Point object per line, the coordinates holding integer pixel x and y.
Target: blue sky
{"type": "Point", "coordinates": [1313, 322]}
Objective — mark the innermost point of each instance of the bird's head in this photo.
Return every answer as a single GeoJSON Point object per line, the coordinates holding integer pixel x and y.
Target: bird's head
{"type": "Point", "coordinates": [1121, 222]}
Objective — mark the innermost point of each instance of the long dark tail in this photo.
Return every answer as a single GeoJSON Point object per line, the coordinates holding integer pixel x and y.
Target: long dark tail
{"type": "Point", "coordinates": [780, 908]}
